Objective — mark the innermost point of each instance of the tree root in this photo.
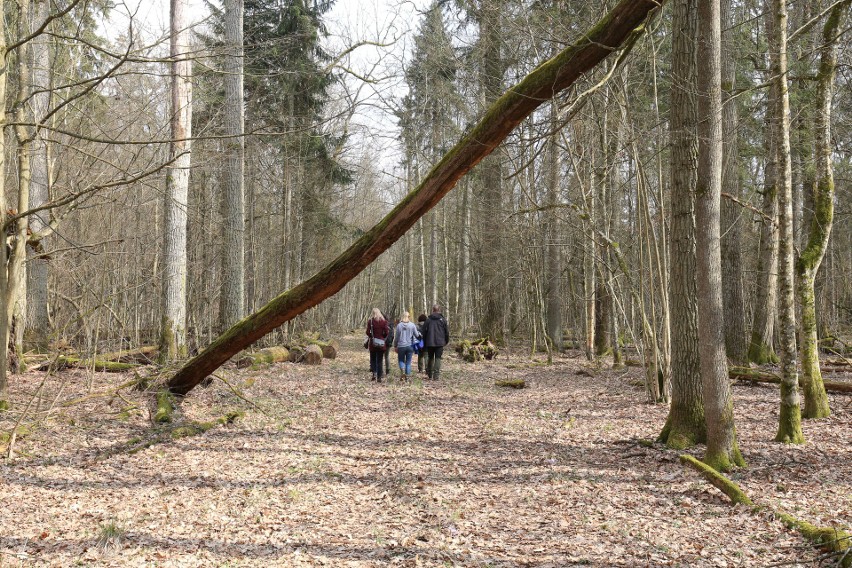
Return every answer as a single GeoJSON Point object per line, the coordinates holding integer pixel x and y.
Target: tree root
{"type": "Point", "coordinates": [837, 542]}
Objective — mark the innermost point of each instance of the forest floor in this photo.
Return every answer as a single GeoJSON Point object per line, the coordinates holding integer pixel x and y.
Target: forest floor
{"type": "Point", "coordinates": [329, 469]}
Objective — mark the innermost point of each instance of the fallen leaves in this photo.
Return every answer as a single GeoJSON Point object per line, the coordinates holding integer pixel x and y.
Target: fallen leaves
{"type": "Point", "coordinates": [343, 472]}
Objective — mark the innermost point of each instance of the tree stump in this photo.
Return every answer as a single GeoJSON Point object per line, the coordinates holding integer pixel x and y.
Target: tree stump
{"type": "Point", "coordinates": [472, 351]}
{"type": "Point", "coordinates": [313, 355]}
{"type": "Point", "coordinates": [297, 353]}
{"type": "Point", "coordinates": [330, 349]}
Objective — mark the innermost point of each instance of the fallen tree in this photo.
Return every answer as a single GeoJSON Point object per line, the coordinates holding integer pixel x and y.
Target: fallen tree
{"type": "Point", "coordinates": [622, 26]}
{"type": "Point", "coordinates": [746, 374]}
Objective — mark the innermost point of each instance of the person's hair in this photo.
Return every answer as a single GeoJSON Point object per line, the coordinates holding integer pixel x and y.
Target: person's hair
{"type": "Point", "coordinates": [436, 308]}
{"type": "Point", "coordinates": [377, 314]}
{"type": "Point", "coordinates": [405, 317]}
{"type": "Point", "coordinates": [422, 317]}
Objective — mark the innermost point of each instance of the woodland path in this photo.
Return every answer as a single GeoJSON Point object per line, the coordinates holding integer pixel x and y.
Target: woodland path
{"type": "Point", "coordinates": [340, 471]}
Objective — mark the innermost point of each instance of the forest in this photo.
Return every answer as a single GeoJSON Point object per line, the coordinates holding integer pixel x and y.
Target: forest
{"type": "Point", "coordinates": [636, 218]}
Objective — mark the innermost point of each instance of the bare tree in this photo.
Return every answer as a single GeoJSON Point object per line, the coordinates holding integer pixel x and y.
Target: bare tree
{"type": "Point", "coordinates": [685, 424]}
{"type": "Point", "coordinates": [233, 293]}
{"type": "Point", "coordinates": [173, 327]}
{"type": "Point", "coordinates": [789, 419]}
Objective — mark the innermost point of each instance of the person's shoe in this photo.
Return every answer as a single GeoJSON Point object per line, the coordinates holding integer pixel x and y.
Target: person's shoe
{"type": "Point", "coordinates": [373, 377]}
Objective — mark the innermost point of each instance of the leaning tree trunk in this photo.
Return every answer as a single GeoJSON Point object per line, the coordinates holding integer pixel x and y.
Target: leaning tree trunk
{"type": "Point", "coordinates": [173, 326]}
{"type": "Point", "coordinates": [816, 400]}
{"type": "Point", "coordinates": [622, 25]}
{"type": "Point", "coordinates": [790, 417]}
{"type": "Point", "coordinates": [722, 451]}
{"type": "Point", "coordinates": [685, 424]}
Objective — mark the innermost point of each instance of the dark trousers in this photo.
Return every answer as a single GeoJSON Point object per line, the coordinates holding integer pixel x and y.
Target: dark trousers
{"type": "Point", "coordinates": [376, 363]}
{"type": "Point", "coordinates": [433, 361]}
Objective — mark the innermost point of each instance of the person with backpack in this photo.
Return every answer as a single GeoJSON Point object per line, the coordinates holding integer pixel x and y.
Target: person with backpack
{"type": "Point", "coordinates": [377, 335]}
{"type": "Point", "coordinates": [436, 335]}
{"type": "Point", "coordinates": [422, 355]}
{"type": "Point", "coordinates": [406, 340]}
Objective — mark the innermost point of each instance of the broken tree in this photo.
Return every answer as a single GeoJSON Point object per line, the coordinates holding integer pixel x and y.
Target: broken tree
{"type": "Point", "coordinates": [617, 30]}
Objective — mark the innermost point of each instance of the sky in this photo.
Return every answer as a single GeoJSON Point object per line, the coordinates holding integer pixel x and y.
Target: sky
{"type": "Point", "coordinates": [391, 23]}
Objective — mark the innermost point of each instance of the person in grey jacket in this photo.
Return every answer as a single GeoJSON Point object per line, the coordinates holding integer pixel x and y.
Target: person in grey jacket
{"type": "Point", "coordinates": [404, 338]}
{"type": "Point", "coordinates": [436, 335]}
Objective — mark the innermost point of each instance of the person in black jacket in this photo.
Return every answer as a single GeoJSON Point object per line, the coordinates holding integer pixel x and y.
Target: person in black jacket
{"type": "Point", "coordinates": [422, 355]}
{"type": "Point", "coordinates": [436, 334]}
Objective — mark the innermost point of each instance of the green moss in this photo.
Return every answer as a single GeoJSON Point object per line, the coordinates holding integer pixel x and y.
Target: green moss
{"type": "Point", "coordinates": [718, 480]}
{"type": "Point", "coordinates": [760, 353]}
{"type": "Point", "coordinates": [830, 538]}
{"type": "Point", "coordinates": [4, 405]}
{"type": "Point", "coordinates": [511, 383]}
{"type": "Point", "coordinates": [165, 407]}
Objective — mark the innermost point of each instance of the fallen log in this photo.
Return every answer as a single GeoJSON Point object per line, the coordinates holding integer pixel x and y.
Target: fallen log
{"type": "Point", "coordinates": [63, 362]}
{"type": "Point", "coordinates": [472, 351]}
{"type": "Point", "coordinates": [754, 375]}
{"type": "Point", "coordinates": [621, 26]}
{"type": "Point", "coordinates": [143, 355]}
{"type": "Point", "coordinates": [264, 356]}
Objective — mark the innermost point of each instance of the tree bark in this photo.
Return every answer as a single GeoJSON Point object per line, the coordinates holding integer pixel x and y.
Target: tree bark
{"type": "Point", "coordinates": [233, 292]}
{"type": "Point", "coordinates": [819, 229]}
{"type": "Point", "coordinates": [553, 252]}
{"type": "Point", "coordinates": [549, 78]}
{"type": "Point", "coordinates": [38, 322]}
{"type": "Point", "coordinates": [173, 326]}
{"type": "Point", "coordinates": [761, 348]}
{"type": "Point", "coordinates": [4, 275]}
{"type": "Point", "coordinates": [685, 425]}
{"type": "Point", "coordinates": [722, 451]}
{"type": "Point", "coordinates": [736, 340]}
{"type": "Point", "coordinates": [790, 417]}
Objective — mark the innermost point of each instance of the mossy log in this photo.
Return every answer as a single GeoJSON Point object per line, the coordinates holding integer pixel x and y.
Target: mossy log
{"type": "Point", "coordinates": [836, 541]}
{"type": "Point", "coordinates": [99, 365]}
{"type": "Point", "coordinates": [477, 350]}
{"type": "Point", "coordinates": [165, 407]}
{"type": "Point", "coordinates": [511, 383]}
{"type": "Point", "coordinates": [297, 352]}
{"type": "Point", "coordinates": [143, 355]}
{"type": "Point", "coordinates": [264, 356]}
{"type": "Point", "coordinates": [746, 374]}
{"type": "Point", "coordinates": [615, 33]}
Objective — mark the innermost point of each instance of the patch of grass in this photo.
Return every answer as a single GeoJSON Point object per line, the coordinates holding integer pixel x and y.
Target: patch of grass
{"type": "Point", "coordinates": [110, 537]}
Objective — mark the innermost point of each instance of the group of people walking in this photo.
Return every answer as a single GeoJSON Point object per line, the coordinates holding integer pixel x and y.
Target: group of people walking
{"type": "Point", "coordinates": [427, 339]}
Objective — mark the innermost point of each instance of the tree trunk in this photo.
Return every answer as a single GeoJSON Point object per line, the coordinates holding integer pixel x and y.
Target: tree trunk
{"type": "Point", "coordinates": [173, 327]}
{"type": "Point", "coordinates": [790, 417]}
{"type": "Point", "coordinates": [722, 451]}
{"type": "Point", "coordinates": [553, 252]}
{"type": "Point", "coordinates": [761, 348]}
{"type": "Point", "coordinates": [492, 286]}
{"type": "Point", "coordinates": [819, 229]}
{"type": "Point", "coordinates": [4, 275]}
{"type": "Point", "coordinates": [233, 293]}
{"type": "Point", "coordinates": [685, 424]}
{"type": "Point", "coordinates": [551, 77]}
{"type": "Point", "coordinates": [38, 322]}
{"type": "Point", "coordinates": [16, 293]}
{"type": "Point", "coordinates": [736, 340]}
